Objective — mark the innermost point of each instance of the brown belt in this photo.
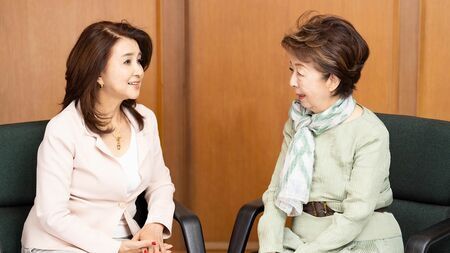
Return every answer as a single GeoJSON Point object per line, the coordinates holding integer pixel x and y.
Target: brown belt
{"type": "Point", "coordinates": [321, 209]}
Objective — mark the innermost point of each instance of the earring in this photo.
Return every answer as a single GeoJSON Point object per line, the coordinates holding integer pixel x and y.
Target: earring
{"type": "Point", "coordinates": [101, 85]}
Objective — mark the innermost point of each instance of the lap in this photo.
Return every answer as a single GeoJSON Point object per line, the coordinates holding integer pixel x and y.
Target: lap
{"type": "Point", "coordinates": [292, 243]}
{"type": "Point", "coordinates": [25, 250]}
{"type": "Point", "coordinates": [394, 245]}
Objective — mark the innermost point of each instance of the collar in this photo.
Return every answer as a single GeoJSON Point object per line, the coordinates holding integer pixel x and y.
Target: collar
{"type": "Point", "coordinates": [127, 112]}
{"type": "Point", "coordinates": [142, 140]}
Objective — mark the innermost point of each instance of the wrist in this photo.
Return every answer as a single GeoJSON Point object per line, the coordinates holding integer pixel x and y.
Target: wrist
{"type": "Point", "coordinates": [154, 226]}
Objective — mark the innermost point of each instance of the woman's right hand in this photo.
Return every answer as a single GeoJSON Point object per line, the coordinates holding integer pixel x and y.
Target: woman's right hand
{"type": "Point", "coordinates": [129, 246]}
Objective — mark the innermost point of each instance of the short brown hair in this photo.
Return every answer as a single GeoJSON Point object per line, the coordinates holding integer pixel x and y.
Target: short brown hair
{"type": "Point", "coordinates": [333, 45]}
{"type": "Point", "coordinates": [88, 59]}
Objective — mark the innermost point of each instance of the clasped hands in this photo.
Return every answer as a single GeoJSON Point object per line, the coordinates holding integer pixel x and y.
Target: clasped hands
{"type": "Point", "coordinates": [147, 240]}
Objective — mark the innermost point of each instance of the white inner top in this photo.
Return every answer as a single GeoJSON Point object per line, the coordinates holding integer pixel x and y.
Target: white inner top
{"type": "Point", "coordinates": [129, 163]}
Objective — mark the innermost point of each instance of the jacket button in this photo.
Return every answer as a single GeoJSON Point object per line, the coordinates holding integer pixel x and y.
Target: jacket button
{"type": "Point", "coordinates": [122, 205]}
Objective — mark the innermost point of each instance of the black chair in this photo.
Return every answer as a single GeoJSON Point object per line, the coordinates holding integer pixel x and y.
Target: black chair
{"type": "Point", "coordinates": [420, 180]}
{"type": "Point", "coordinates": [18, 149]}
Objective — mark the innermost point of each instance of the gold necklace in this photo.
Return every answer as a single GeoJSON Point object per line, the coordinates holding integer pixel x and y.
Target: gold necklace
{"type": "Point", "coordinates": [117, 137]}
{"type": "Point", "coordinates": [116, 134]}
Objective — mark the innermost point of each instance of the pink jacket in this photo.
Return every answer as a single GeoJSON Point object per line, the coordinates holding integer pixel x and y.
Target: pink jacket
{"type": "Point", "coordinates": [81, 194]}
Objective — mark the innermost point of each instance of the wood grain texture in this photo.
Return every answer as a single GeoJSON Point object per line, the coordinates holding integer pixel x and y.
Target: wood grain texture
{"type": "Point", "coordinates": [36, 38]}
{"type": "Point", "coordinates": [409, 33]}
{"type": "Point", "coordinates": [174, 93]}
{"type": "Point", "coordinates": [173, 120]}
{"type": "Point", "coordinates": [433, 87]}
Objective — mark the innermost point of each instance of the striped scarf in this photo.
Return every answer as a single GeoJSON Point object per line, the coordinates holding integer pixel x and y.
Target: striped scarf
{"type": "Point", "coordinates": [296, 175]}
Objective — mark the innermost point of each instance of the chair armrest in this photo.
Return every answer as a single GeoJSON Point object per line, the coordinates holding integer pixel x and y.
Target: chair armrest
{"type": "Point", "coordinates": [243, 225]}
{"type": "Point", "coordinates": [191, 228]}
{"type": "Point", "coordinates": [420, 242]}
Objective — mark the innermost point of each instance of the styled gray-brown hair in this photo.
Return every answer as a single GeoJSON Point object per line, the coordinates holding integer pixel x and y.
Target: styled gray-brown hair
{"type": "Point", "coordinates": [333, 45]}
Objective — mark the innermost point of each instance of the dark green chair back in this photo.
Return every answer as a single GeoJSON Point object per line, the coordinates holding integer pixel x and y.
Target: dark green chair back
{"type": "Point", "coordinates": [420, 173]}
{"type": "Point", "coordinates": [18, 151]}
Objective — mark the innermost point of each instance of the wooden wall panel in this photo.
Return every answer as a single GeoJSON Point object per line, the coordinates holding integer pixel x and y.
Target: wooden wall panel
{"type": "Point", "coordinates": [36, 38]}
{"type": "Point", "coordinates": [237, 90]}
{"type": "Point", "coordinates": [409, 31]}
{"type": "Point", "coordinates": [173, 120]}
{"type": "Point", "coordinates": [434, 87]}
{"type": "Point", "coordinates": [239, 94]}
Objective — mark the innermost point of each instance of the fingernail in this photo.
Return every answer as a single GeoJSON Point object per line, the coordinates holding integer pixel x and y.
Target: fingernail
{"type": "Point", "coordinates": [153, 243]}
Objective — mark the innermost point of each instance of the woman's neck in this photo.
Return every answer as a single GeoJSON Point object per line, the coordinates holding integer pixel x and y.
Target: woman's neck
{"type": "Point", "coordinates": [111, 111]}
{"type": "Point", "coordinates": [326, 104]}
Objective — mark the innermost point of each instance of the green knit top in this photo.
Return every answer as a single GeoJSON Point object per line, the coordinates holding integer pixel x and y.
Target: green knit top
{"type": "Point", "coordinates": [351, 174]}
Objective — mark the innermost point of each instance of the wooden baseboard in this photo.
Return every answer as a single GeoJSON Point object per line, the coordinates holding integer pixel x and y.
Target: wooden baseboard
{"type": "Point", "coordinates": [223, 246]}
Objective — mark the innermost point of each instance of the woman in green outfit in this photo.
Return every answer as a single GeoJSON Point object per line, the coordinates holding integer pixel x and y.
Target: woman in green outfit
{"type": "Point", "coordinates": [332, 172]}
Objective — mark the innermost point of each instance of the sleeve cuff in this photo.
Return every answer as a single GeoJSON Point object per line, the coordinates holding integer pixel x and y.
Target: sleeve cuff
{"type": "Point", "coordinates": [115, 247]}
{"type": "Point", "coordinates": [167, 231]}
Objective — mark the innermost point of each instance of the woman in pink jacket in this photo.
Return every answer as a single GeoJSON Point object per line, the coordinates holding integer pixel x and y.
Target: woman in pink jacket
{"type": "Point", "coordinates": [100, 152]}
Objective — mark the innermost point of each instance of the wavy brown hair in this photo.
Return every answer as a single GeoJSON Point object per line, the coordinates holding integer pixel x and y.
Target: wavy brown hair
{"type": "Point", "coordinates": [333, 45]}
{"type": "Point", "coordinates": [88, 59]}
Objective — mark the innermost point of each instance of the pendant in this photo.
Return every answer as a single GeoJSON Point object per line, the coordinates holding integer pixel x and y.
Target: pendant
{"type": "Point", "coordinates": [118, 143]}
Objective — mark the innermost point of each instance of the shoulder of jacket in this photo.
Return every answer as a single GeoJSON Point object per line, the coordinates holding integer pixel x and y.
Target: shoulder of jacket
{"type": "Point", "coordinates": [145, 111]}
{"type": "Point", "coordinates": [65, 122]}
{"type": "Point", "coordinates": [150, 120]}
{"type": "Point", "coordinates": [372, 125]}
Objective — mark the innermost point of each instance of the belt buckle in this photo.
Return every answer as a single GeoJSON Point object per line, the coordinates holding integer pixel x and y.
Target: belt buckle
{"type": "Point", "coordinates": [325, 211]}
{"type": "Point", "coordinates": [319, 209]}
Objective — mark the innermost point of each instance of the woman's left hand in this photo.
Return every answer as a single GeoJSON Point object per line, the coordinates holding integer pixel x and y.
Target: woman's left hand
{"type": "Point", "coordinates": [154, 233]}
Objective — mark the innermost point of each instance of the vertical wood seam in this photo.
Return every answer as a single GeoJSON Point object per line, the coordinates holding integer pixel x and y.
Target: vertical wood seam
{"type": "Point", "coordinates": [159, 70]}
{"type": "Point", "coordinates": [409, 54]}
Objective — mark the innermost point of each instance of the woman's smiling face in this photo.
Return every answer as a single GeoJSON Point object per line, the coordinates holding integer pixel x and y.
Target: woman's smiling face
{"type": "Point", "coordinates": [122, 76]}
{"type": "Point", "coordinates": [313, 89]}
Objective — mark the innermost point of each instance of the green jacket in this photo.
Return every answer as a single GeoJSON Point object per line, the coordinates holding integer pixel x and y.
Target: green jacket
{"type": "Point", "coordinates": [351, 173]}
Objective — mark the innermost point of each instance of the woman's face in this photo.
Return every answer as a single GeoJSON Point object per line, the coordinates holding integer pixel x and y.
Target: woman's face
{"type": "Point", "coordinates": [314, 92]}
{"type": "Point", "coordinates": [122, 76]}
